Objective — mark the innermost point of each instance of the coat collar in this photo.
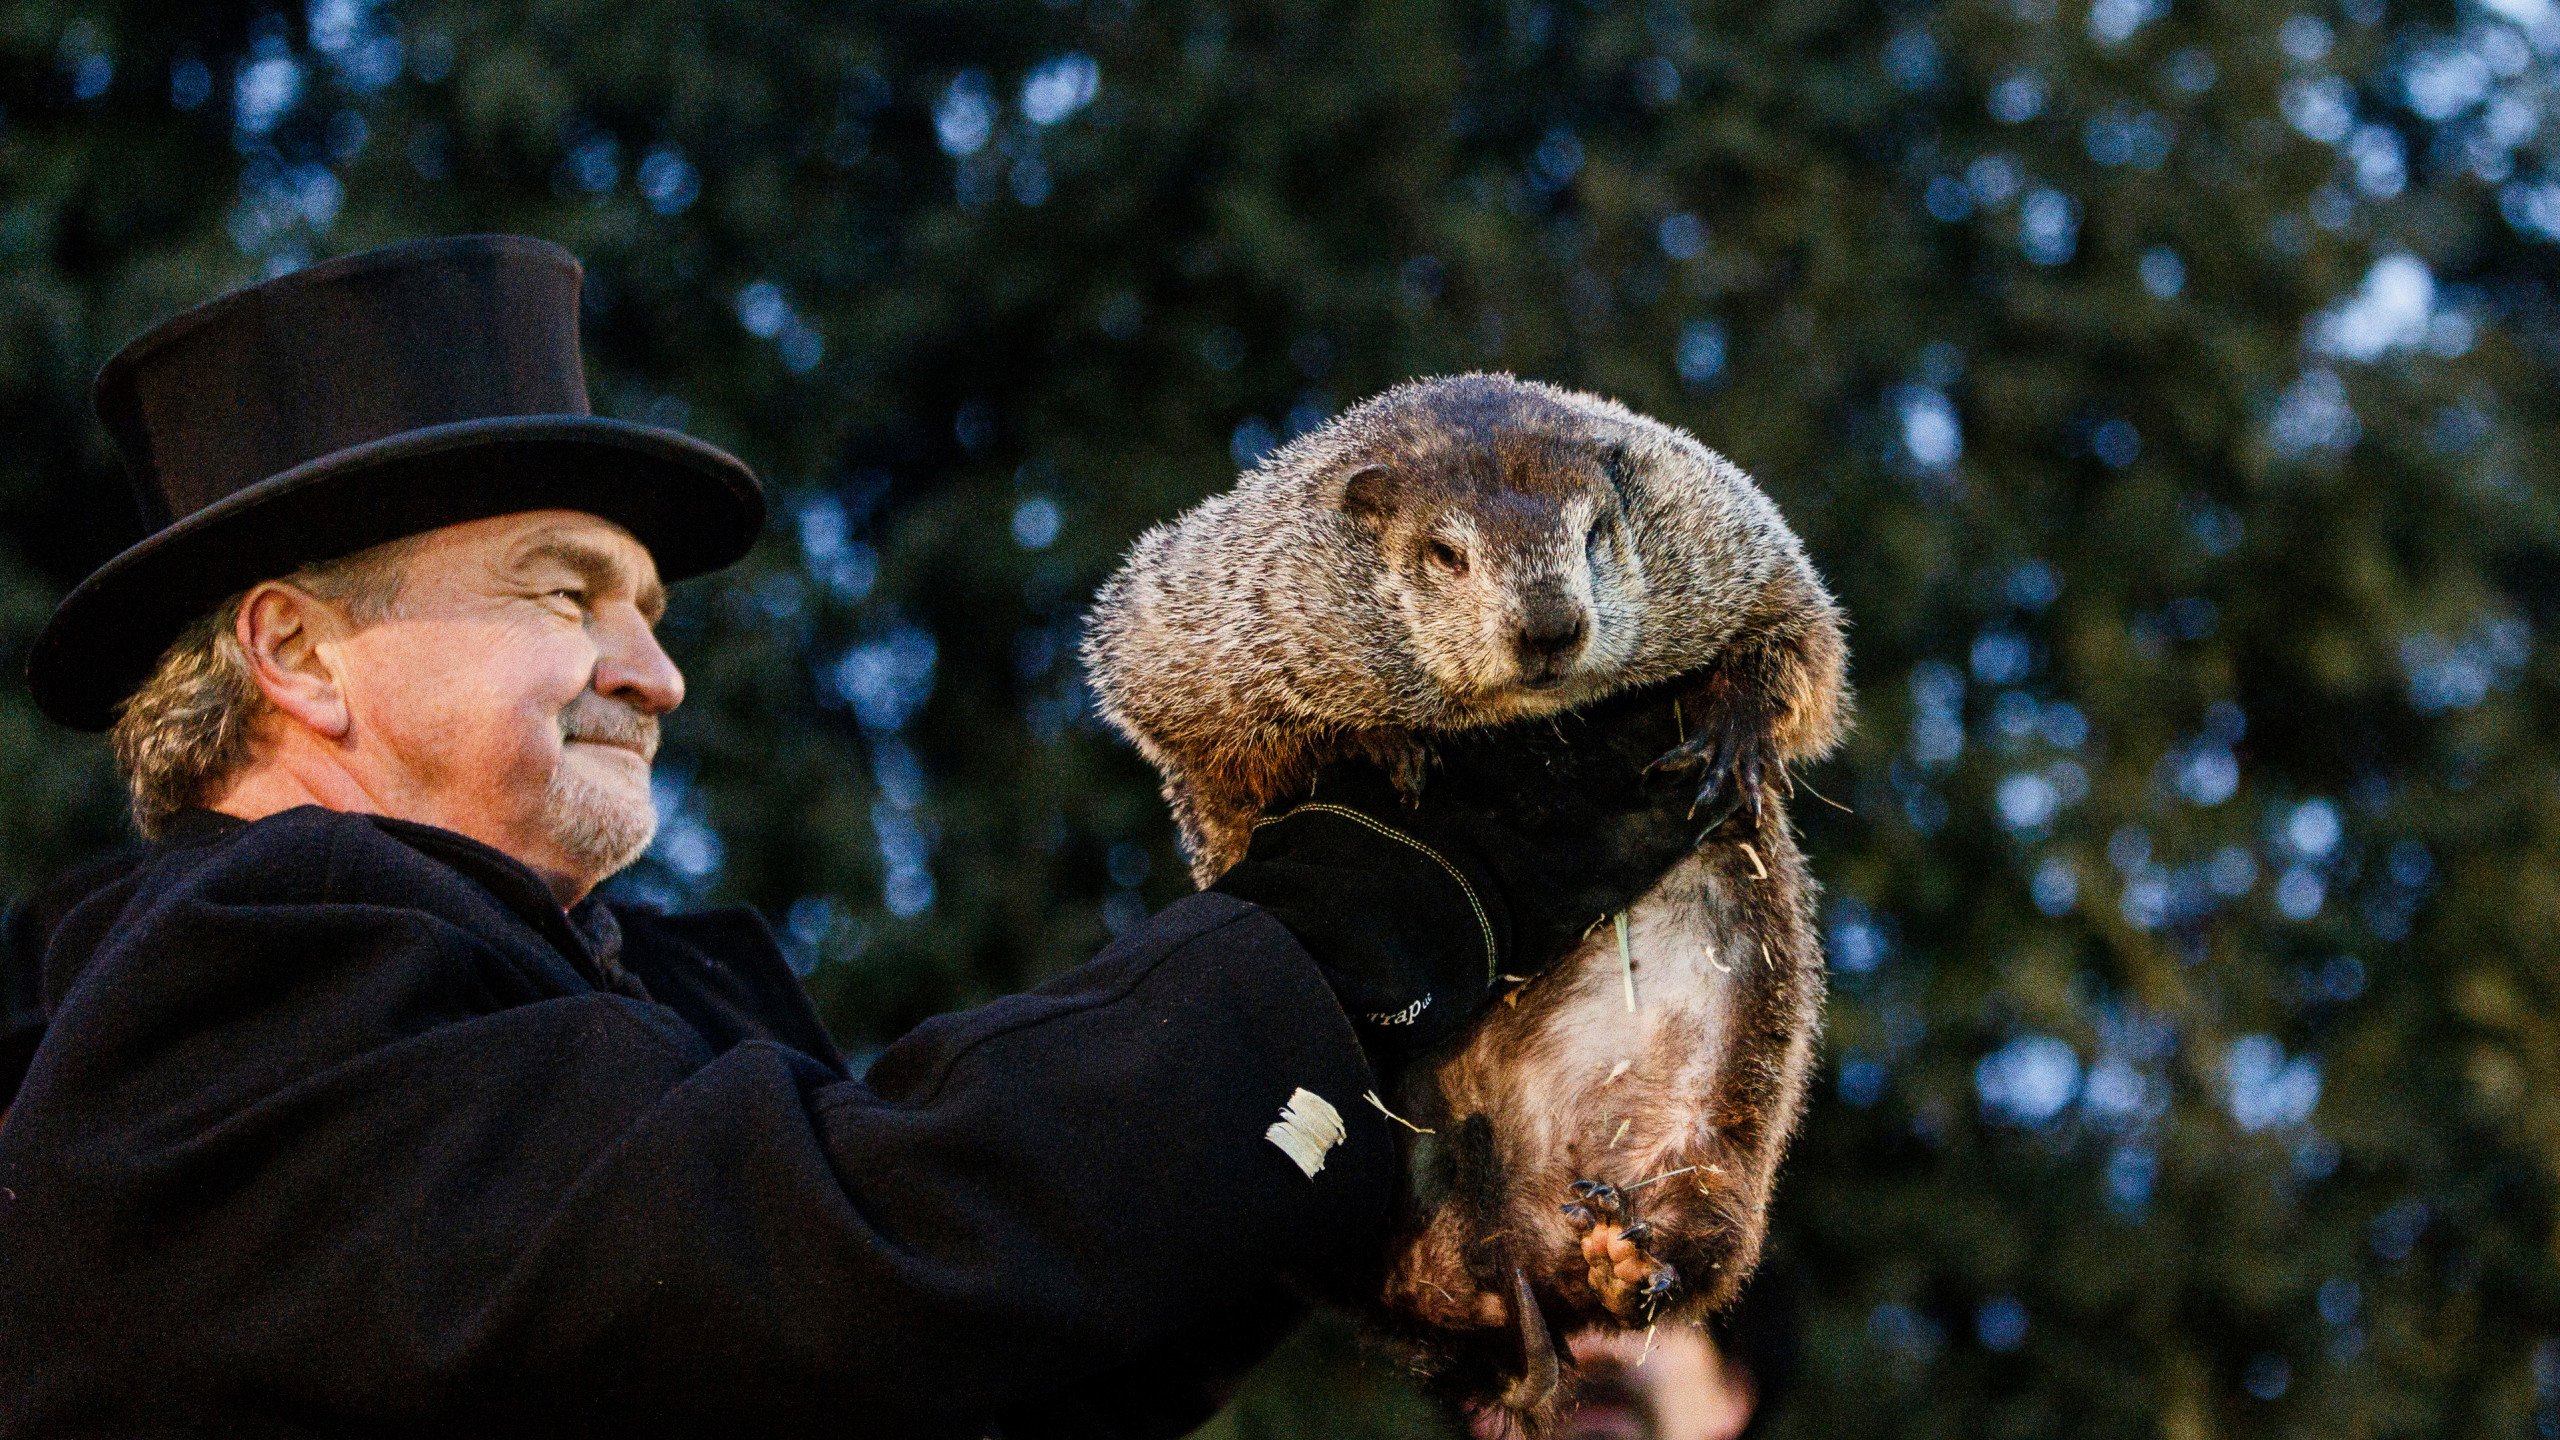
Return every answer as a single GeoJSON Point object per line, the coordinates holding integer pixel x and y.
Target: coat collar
{"type": "Point", "coordinates": [587, 934]}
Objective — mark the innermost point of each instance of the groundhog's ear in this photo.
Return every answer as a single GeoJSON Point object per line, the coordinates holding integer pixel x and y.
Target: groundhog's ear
{"type": "Point", "coordinates": [1369, 492]}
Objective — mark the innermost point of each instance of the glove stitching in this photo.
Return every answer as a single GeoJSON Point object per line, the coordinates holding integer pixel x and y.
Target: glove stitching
{"type": "Point", "coordinates": [1492, 960]}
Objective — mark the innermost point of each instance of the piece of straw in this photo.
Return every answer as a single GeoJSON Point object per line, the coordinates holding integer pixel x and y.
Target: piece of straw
{"type": "Point", "coordinates": [1372, 1098]}
{"type": "Point", "coordinates": [1626, 962]}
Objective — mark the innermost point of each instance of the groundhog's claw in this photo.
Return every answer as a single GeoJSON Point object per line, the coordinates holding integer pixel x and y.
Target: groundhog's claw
{"type": "Point", "coordinates": [1626, 1276]}
{"type": "Point", "coordinates": [1736, 763]}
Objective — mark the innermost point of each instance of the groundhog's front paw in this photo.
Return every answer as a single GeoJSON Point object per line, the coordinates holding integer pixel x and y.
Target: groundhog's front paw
{"type": "Point", "coordinates": [1731, 748]}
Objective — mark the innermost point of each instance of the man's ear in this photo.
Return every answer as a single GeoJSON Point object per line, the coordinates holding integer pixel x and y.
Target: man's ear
{"type": "Point", "coordinates": [1368, 493]}
{"type": "Point", "coordinates": [283, 631]}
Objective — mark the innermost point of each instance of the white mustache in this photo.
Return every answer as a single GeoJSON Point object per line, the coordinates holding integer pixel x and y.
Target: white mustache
{"type": "Point", "coordinates": [597, 720]}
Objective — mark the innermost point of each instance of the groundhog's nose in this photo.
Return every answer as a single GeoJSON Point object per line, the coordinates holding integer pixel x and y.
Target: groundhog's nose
{"type": "Point", "coordinates": [1551, 630]}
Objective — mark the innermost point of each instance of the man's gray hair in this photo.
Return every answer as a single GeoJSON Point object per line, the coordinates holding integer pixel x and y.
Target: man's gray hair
{"type": "Point", "coordinates": [189, 730]}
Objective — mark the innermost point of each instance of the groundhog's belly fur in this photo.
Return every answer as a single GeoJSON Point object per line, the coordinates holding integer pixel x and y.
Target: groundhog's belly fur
{"type": "Point", "coordinates": [1682, 1104]}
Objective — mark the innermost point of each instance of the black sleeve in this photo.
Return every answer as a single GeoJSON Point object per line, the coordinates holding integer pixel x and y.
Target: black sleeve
{"type": "Point", "coordinates": [572, 1215]}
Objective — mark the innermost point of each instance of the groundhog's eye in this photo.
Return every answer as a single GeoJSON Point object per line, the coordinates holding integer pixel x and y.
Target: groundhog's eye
{"type": "Point", "coordinates": [1447, 556]}
{"type": "Point", "coordinates": [1603, 537]}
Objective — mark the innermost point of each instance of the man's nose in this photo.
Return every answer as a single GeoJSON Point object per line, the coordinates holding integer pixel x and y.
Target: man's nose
{"type": "Point", "coordinates": [632, 667]}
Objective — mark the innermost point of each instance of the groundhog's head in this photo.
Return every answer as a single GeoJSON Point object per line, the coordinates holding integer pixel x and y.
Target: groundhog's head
{"type": "Point", "coordinates": [1501, 523]}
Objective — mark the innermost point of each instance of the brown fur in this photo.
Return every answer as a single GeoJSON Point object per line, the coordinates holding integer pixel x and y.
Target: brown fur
{"type": "Point", "coordinates": [1303, 616]}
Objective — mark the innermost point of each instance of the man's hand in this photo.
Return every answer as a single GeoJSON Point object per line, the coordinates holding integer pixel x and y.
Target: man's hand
{"type": "Point", "coordinates": [1526, 837]}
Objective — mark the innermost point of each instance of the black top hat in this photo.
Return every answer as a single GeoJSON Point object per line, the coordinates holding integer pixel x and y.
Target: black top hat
{"type": "Point", "coordinates": [354, 402]}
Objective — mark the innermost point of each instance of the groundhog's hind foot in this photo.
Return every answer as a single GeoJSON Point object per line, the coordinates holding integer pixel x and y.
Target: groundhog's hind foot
{"type": "Point", "coordinates": [1626, 1276]}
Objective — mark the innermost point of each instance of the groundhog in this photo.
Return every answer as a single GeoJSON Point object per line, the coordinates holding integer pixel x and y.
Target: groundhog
{"type": "Point", "coordinates": [1457, 553]}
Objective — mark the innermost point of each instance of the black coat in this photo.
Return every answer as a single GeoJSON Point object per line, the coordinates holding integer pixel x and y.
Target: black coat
{"type": "Point", "coordinates": [340, 1126]}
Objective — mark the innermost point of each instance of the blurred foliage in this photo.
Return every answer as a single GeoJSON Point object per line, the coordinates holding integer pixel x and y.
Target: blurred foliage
{"type": "Point", "coordinates": [2168, 393]}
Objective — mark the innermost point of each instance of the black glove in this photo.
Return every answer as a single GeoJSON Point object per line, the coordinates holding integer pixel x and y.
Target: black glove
{"type": "Point", "coordinates": [1522, 839]}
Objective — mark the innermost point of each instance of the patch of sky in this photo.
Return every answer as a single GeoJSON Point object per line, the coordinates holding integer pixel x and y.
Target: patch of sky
{"type": "Point", "coordinates": [2380, 159]}
{"type": "Point", "coordinates": [1702, 353]}
{"type": "Point", "coordinates": [2409, 864]}
{"type": "Point", "coordinates": [2162, 272]}
{"type": "Point", "coordinates": [1856, 942]}
{"type": "Point", "coordinates": [2001, 657]}
{"type": "Point", "coordinates": [2232, 872]}
{"type": "Point", "coordinates": [1911, 59]}
{"type": "Point", "coordinates": [2300, 892]}
{"type": "Point", "coordinates": [1557, 160]}
{"type": "Point", "coordinates": [2215, 529]}
{"type": "Point", "coordinates": [2119, 135]}
{"type": "Point", "coordinates": [1947, 199]}
{"type": "Point", "coordinates": [906, 847]}
{"type": "Point", "coordinates": [2338, 1301]}
{"type": "Point", "coordinates": [190, 83]}
{"type": "Point", "coordinates": [1901, 1330]}
{"type": "Point", "coordinates": [2392, 312]}
{"type": "Point", "coordinates": [2532, 209]}
{"type": "Point", "coordinates": [2000, 1324]}
{"type": "Point", "coordinates": [2205, 774]}
{"type": "Point", "coordinates": [1937, 719]}
{"type": "Point", "coordinates": [1308, 412]}
{"type": "Point", "coordinates": [887, 680]}
{"type": "Point", "coordinates": [2458, 674]}
{"type": "Point", "coordinates": [365, 52]}
{"type": "Point", "coordinates": [2306, 38]}
{"type": "Point", "coordinates": [2312, 416]}
{"type": "Point", "coordinates": [2048, 226]}
{"type": "Point", "coordinates": [1123, 911]}
{"type": "Point", "coordinates": [2115, 442]}
{"type": "Point", "coordinates": [2028, 1081]}
{"type": "Point", "coordinates": [1995, 178]}
{"type": "Point", "coordinates": [668, 181]}
{"type": "Point", "coordinates": [2322, 107]}
{"type": "Point", "coordinates": [2441, 81]}
{"type": "Point", "coordinates": [1657, 81]}
{"type": "Point", "coordinates": [1059, 87]}
{"type": "Point", "coordinates": [2132, 1170]}
{"type": "Point", "coordinates": [2031, 585]}
{"type": "Point", "coordinates": [2120, 1098]}
{"type": "Point", "coordinates": [593, 162]}
{"type": "Point", "coordinates": [2266, 1089]}
{"type": "Point", "coordinates": [2266, 1377]}
{"type": "Point", "coordinates": [2190, 71]}
{"type": "Point", "coordinates": [2112, 22]}
{"type": "Point", "coordinates": [1682, 236]}
{"type": "Point", "coordinates": [964, 117]}
{"type": "Point", "coordinates": [1252, 439]}
{"type": "Point", "coordinates": [1929, 434]}
{"type": "Point", "coordinates": [2027, 801]}
{"type": "Point", "coordinates": [1036, 521]}
{"type": "Point", "coordinates": [2313, 829]}
{"type": "Point", "coordinates": [266, 88]}
{"type": "Point", "coordinates": [1862, 1079]}
{"type": "Point", "coordinates": [2055, 888]}
{"type": "Point", "coordinates": [809, 924]}
{"type": "Point", "coordinates": [2017, 97]}
{"type": "Point", "coordinates": [91, 74]}
{"type": "Point", "coordinates": [2395, 1232]}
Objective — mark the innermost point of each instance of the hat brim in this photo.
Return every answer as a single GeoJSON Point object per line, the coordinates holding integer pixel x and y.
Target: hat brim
{"type": "Point", "coordinates": [694, 506]}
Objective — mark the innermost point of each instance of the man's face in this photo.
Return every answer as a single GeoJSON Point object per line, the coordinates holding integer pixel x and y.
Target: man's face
{"type": "Point", "coordinates": [513, 694]}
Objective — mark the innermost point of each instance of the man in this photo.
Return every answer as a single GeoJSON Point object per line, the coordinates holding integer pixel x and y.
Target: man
{"type": "Point", "coordinates": [355, 1112]}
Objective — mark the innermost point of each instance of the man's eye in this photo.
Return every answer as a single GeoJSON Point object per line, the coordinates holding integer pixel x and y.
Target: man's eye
{"type": "Point", "coordinates": [573, 596]}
